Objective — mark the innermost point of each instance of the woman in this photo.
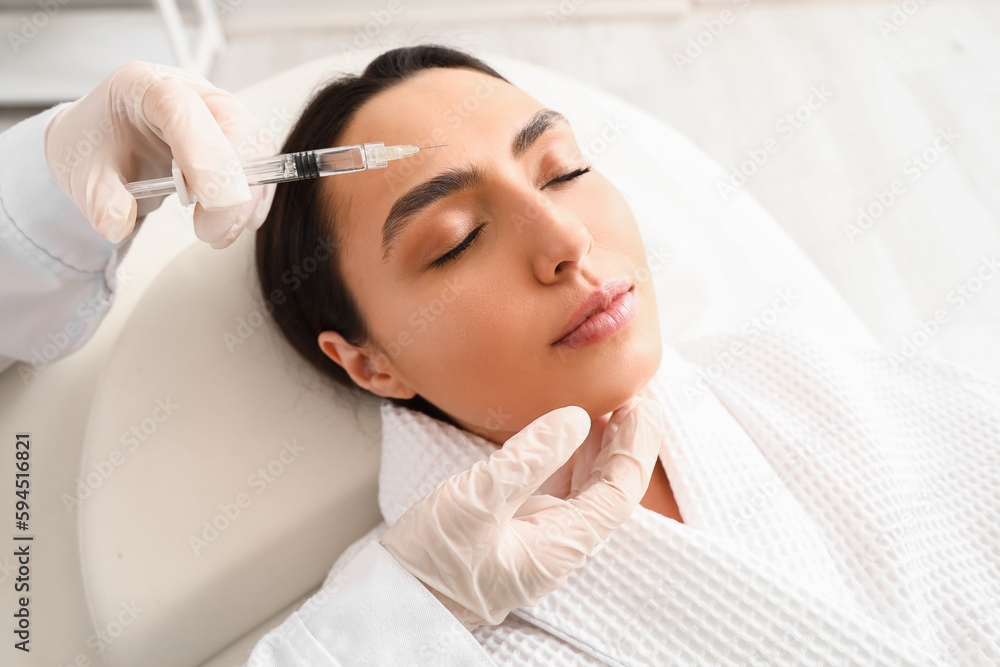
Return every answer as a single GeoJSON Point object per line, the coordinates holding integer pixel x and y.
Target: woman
{"type": "Point", "coordinates": [401, 237]}
{"type": "Point", "coordinates": [454, 282]}
{"type": "Point", "coordinates": [67, 220]}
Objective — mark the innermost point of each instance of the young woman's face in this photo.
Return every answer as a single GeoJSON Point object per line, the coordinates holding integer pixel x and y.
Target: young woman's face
{"type": "Point", "coordinates": [473, 333]}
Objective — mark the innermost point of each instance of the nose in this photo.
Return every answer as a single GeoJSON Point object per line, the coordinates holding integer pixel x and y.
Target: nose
{"type": "Point", "coordinates": [555, 238]}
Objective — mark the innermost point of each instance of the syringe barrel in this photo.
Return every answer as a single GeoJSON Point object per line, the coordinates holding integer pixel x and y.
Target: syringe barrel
{"type": "Point", "coordinates": [340, 160]}
{"type": "Point", "coordinates": [154, 187]}
{"type": "Point", "coordinates": [304, 165]}
{"type": "Point", "coordinates": [273, 169]}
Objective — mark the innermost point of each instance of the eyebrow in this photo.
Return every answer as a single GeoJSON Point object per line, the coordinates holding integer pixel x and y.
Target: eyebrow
{"type": "Point", "coordinates": [453, 181]}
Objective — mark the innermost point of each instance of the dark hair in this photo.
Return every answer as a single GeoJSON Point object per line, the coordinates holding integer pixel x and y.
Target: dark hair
{"type": "Point", "coordinates": [301, 227]}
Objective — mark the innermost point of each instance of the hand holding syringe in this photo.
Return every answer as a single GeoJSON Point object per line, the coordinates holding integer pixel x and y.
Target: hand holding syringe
{"type": "Point", "coordinates": [147, 119]}
{"type": "Point", "coordinates": [287, 167]}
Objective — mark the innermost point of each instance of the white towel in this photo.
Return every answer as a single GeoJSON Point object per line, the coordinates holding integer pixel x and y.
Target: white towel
{"type": "Point", "coordinates": [840, 505]}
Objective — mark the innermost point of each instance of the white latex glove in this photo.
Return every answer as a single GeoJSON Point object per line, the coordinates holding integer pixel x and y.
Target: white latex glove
{"type": "Point", "coordinates": [484, 545]}
{"type": "Point", "coordinates": [128, 128]}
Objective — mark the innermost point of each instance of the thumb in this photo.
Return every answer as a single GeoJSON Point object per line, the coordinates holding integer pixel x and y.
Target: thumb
{"type": "Point", "coordinates": [111, 208]}
{"type": "Point", "coordinates": [531, 456]}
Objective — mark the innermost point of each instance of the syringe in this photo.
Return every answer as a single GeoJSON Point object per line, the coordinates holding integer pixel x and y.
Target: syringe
{"type": "Point", "coordinates": [287, 167]}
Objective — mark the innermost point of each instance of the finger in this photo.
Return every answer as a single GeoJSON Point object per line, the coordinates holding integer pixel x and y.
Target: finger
{"type": "Point", "coordinates": [517, 469]}
{"type": "Point", "coordinates": [205, 156]}
{"type": "Point", "coordinates": [556, 533]}
{"type": "Point", "coordinates": [608, 437]}
{"type": "Point", "coordinates": [624, 478]}
{"type": "Point", "coordinates": [111, 208]}
{"type": "Point", "coordinates": [220, 228]}
{"type": "Point", "coordinates": [250, 142]}
{"type": "Point", "coordinates": [587, 456]}
{"type": "Point", "coordinates": [583, 465]}
{"type": "Point", "coordinates": [618, 417]}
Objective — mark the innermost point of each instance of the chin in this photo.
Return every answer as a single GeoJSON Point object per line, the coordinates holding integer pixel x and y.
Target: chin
{"type": "Point", "coordinates": [628, 381]}
{"type": "Point", "coordinates": [603, 382]}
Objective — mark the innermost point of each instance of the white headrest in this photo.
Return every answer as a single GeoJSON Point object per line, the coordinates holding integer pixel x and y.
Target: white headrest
{"type": "Point", "coordinates": [239, 474]}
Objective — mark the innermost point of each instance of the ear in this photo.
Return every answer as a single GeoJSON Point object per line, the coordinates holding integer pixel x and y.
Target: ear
{"type": "Point", "coordinates": [366, 368]}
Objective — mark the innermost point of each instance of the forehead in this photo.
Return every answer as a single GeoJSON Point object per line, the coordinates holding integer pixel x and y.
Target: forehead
{"type": "Point", "coordinates": [474, 113]}
{"type": "Point", "coordinates": [437, 103]}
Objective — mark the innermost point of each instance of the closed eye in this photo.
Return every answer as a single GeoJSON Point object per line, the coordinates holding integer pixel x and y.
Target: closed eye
{"type": "Point", "coordinates": [464, 245]}
{"type": "Point", "coordinates": [567, 177]}
{"type": "Point", "coordinates": [457, 250]}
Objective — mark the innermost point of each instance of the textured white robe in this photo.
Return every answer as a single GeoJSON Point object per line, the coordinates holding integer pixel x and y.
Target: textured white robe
{"type": "Point", "coordinates": [841, 505]}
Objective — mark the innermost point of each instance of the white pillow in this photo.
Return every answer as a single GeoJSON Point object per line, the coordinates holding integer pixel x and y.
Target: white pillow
{"type": "Point", "coordinates": [201, 391]}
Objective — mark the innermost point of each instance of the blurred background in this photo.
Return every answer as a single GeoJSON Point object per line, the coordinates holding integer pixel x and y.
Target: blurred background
{"type": "Point", "coordinates": [868, 129]}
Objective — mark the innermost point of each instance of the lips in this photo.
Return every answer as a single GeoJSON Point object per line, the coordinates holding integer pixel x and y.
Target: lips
{"type": "Point", "coordinates": [595, 302]}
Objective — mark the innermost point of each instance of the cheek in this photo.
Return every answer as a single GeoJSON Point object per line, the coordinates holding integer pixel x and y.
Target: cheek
{"type": "Point", "coordinates": [447, 327]}
{"type": "Point", "coordinates": [622, 216]}
{"type": "Point", "coordinates": [424, 324]}
{"type": "Point", "coordinates": [611, 220]}
{"type": "Point", "coordinates": [481, 329]}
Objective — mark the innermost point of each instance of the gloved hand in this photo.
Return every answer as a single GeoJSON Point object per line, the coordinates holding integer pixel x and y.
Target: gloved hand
{"type": "Point", "coordinates": [129, 127]}
{"type": "Point", "coordinates": [484, 545]}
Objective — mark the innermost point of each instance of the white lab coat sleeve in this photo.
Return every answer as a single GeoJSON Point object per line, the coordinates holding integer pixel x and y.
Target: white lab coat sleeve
{"type": "Point", "coordinates": [57, 274]}
{"type": "Point", "coordinates": [373, 612]}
